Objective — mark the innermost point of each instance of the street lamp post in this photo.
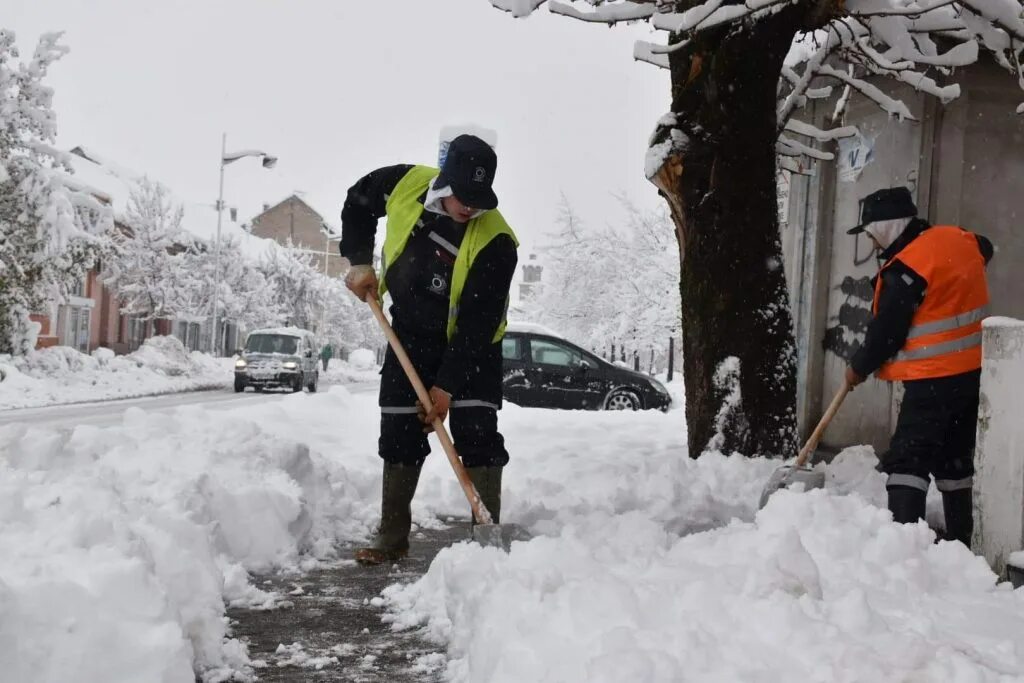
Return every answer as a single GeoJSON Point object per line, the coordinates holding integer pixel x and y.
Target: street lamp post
{"type": "Point", "coordinates": [268, 161]}
{"type": "Point", "coordinates": [216, 247]}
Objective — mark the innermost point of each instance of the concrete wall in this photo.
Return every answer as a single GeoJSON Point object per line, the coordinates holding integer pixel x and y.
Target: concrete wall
{"type": "Point", "coordinates": [999, 458]}
{"type": "Point", "coordinates": [295, 220]}
{"type": "Point", "coordinates": [979, 176]}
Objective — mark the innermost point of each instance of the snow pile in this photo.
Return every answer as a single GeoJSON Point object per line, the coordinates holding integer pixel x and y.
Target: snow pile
{"type": "Point", "coordinates": [60, 374]}
{"type": "Point", "coordinates": [647, 565]}
{"type": "Point", "coordinates": [361, 366]}
{"type": "Point", "coordinates": [819, 587]}
{"type": "Point", "coordinates": [362, 359]}
{"type": "Point", "coordinates": [130, 539]}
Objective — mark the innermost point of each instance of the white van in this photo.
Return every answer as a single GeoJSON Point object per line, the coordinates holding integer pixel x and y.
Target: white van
{"type": "Point", "coordinates": [278, 357]}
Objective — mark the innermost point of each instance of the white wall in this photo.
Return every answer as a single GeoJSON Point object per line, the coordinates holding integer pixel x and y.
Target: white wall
{"type": "Point", "coordinates": [999, 458]}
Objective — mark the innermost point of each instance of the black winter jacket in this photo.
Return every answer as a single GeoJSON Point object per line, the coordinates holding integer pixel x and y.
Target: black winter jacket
{"type": "Point", "coordinates": [420, 278]}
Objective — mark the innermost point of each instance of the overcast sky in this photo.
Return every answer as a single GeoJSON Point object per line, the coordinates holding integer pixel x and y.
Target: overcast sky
{"type": "Point", "coordinates": [336, 88]}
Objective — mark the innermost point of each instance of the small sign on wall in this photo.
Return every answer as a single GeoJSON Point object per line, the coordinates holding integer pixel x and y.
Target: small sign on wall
{"type": "Point", "coordinates": [855, 153]}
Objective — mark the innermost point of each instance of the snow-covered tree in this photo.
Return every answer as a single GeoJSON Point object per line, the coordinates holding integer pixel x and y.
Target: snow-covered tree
{"type": "Point", "coordinates": [612, 285]}
{"type": "Point", "coordinates": [248, 297]}
{"type": "Point", "coordinates": [301, 291]}
{"type": "Point", "coordinates": [49, 231]}
{"type": "Point", "coordinates": [739, 72]}
{"type": "Point", "coordinates": [348, 323]}
{"type": "Point", "coordinates": [147, 266]}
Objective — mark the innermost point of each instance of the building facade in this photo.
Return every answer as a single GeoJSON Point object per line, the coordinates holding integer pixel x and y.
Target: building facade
{"type": "Point", "coordinates": [295, 222]}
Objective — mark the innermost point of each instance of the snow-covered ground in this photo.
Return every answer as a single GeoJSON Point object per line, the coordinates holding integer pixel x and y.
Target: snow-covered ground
{"type": "Point", "coordinates": [647, 565]}
{"type": "Point", "coordinates": [59, 375]}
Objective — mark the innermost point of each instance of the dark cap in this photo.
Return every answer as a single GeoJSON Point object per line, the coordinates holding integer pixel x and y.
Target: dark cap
{"type": "Point", "coordinates": [469, 170]}
{"type": "Point", "coordinates": [884, 205]}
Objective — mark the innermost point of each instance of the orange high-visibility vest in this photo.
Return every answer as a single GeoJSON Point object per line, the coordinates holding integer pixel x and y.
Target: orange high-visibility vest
{"type": "Point", "coordinates": [945, 333]}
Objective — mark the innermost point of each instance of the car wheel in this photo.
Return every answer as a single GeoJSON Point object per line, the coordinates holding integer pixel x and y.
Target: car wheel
{"type": "Point", "coordinates": [259, 389]}
{"type": "Point", "coordinates": [239, 385]}
{"type": "Point", "coordinates": [313, 385]}
{"type": "Point", "coordinates": [621, 399]}
{"type": "Point", "coordinates": [297, 386]}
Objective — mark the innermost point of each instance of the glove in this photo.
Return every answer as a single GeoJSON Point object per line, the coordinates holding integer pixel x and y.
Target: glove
{"type": "Point", "coordinates": [361, 281]}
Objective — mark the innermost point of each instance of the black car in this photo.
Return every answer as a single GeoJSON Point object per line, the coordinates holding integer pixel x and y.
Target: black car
{"type": "Point", "coordinates": [544, 371]}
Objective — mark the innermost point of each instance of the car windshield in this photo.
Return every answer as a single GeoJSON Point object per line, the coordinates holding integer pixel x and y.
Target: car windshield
{"type": "Point", "coordinates": [271, 343]}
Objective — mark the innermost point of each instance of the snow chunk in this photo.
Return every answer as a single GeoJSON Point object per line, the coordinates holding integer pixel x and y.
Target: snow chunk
{"type": "Point", "coordinates": [518, 8]}
{"type": "Point", "coordinates": [665, 141]}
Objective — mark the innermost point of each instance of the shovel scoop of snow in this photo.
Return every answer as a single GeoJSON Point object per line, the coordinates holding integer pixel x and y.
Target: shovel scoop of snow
{"type": "Point", "coordinates": [499, 535]}
{"type": "Point", "coordinates": [789, 477]}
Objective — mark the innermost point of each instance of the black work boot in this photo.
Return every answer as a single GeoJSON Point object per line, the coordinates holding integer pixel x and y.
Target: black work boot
{"type": "Point", "coordinates": [958, 509]}
{"type": "Point", "coordinates": [487, 481]}
{"type": "Point", "coordinates": [906, 504]}
{"type": "Point", "coordinates": [392, 541]}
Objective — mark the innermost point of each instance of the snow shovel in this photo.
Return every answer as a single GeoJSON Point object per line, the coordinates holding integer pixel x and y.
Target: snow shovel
{"type": "Point", "coordinates": [485, 531]}
{"type": "Point", "coordinates": [798, 472]}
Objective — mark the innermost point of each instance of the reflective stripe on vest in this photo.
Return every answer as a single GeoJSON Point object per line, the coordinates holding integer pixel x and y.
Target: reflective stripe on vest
{"type": "Point", "coordinates": [945, 333]}
{"type": "Point", "coordinates": [404, 210]}
{"type": "Point", "coordinates": [961, 344]}
{"type": "Point", "coordinates": [951, 323]}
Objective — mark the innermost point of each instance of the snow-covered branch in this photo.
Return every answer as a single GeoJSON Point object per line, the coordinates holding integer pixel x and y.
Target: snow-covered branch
{"type": "Point", "coordinates": [806, 129]}
{"type": "Point", "coordinates": [648, 52]}
{"type": "Point", "coordinates": [605, 13]}
{"type": "Point", "coordinates": [518, 8]}
{"type": "Point", "coordinates": [791, 148]}
{"type": "Point", "coordinates": [890, 104]}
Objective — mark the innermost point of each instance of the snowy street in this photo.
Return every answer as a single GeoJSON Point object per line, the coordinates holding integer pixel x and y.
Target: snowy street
{"type": "Point", "coordinates": [106, 413]}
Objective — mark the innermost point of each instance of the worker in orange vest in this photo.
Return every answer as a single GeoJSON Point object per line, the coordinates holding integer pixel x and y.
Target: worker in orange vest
{"type": "Point", "coordinates": [930, 297]}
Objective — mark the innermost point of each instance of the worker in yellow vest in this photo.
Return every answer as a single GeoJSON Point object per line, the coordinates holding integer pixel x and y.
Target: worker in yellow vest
{"type": "Point", "coordinates": [931, 295]}
{"type": "Point", "coordinates": [447, 261]}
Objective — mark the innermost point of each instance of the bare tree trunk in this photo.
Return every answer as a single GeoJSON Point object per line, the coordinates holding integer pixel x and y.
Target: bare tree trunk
{"type": "Point", "coordinates": [721, 188]}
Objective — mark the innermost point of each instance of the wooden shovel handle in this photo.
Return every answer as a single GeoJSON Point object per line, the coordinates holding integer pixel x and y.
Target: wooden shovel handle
{"type": "Point", "coordinates": [815, 437]}
{"type": "Point", "coordinates": [480, 512]}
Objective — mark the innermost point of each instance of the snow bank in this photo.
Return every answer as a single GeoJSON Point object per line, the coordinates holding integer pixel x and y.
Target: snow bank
{"type": "Point", "coordinates": [655, 567]}
{"type": "Point", "coordinates": [819, 587]}
{"type": "Point", "coordinates": [647, 565]}
{"type": "Point", "coordinates": [361, 366]}
{"type": "Point", "coordinates": [60, 374]}
{"type": "Point", "coordinates": [130, 539]}
{"type": "Point", "coordinates": [362, 359]}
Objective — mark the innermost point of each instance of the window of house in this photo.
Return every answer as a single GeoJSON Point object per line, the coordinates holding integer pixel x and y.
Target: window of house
{"type": "Point", "coordinates": [78, 288]}
{"type": "Point", "coordinates": [73, 325]}
{"type": "Point", "coordinates": [137, 328]}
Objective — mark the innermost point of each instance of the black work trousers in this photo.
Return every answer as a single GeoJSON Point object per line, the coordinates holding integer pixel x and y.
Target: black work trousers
{"type": "Point", "coordinates": [935, 434]}
{"type": "Point", "coordinates": [473, 419]}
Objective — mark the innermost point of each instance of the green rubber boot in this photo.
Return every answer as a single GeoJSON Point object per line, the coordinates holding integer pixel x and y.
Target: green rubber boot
{"type": "Point", "coordinates": [392, 541]}
{"type": "Point", "coordinates": [487, 481]}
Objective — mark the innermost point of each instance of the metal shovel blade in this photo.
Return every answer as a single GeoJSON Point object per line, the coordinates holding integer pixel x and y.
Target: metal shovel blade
{"type": "Point", "coordinates": [499, 535]}
{"type": "Point", "coordinates": [786, 476]}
